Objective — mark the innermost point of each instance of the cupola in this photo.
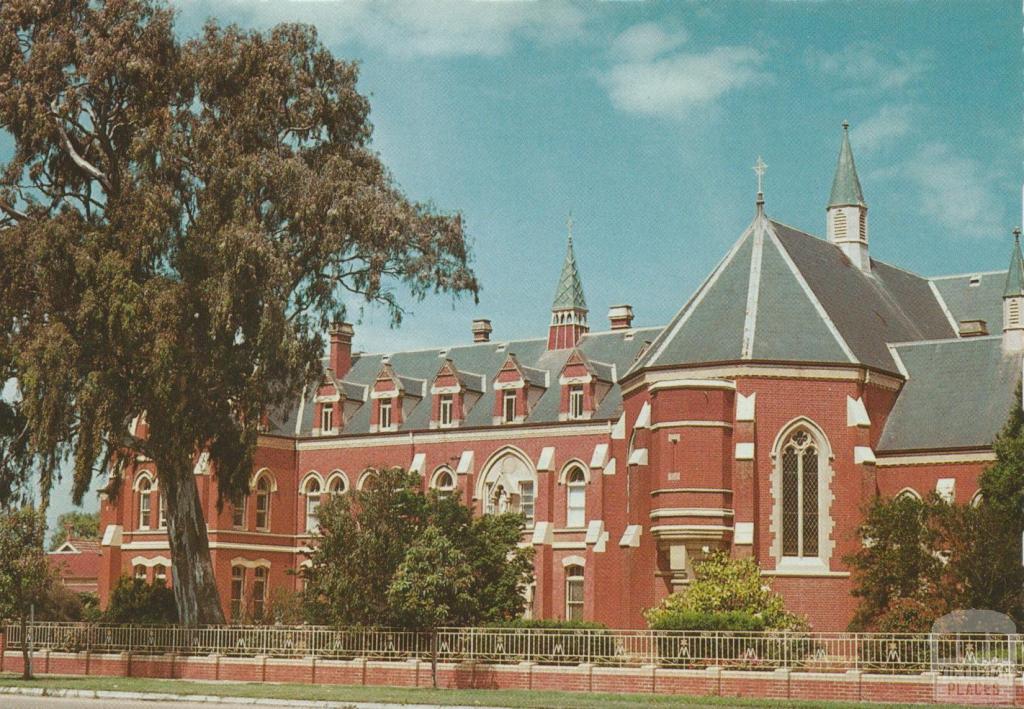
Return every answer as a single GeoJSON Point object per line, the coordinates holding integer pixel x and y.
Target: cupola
{"type": "Point", "coordinates": [1013, 300]}
{"type": "Point", "coordinates": [569, 311]}
{"type": "Point", "coordinates": [847, 212]}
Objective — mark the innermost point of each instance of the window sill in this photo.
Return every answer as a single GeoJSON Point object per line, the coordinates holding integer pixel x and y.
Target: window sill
{"type": "Point", "coordinates": [813, 567]}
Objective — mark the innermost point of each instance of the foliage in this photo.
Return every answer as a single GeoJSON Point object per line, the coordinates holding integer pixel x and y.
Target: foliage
{"type": "Point", "coordinates": [137, 602]}
{"type": "Point", "coordinates": [932, 557]}
{"type": "Point", "coordinates": [720, 620]}
{"type": "Point", "coordinates": [24, 571]}
{"type": "Point", "coordinates": [549, 624]}
{"type": "Point", "coordinates": [83, 525]}
{"type": "Point", "coordinates": [284, 608]}
{"type": "Point", "coordinates": [388, 551]}
{"type": "Point", "coordinates": [180, 221]}
{"type": "Point", "coordinates": [724, 585]}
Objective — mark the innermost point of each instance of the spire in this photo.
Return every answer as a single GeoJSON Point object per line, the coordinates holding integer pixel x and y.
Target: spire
{"type": "Point", "coordinates": [759, 169]}
{"type": "Point", "coordinates": [846, 187]}
{"type": "Point", "coordinates": [569, 294]}
{"type": "Point", "coordinates": [1015, 274]}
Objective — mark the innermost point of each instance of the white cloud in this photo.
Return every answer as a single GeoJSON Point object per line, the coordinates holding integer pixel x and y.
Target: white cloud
{"type": "Point", "coordinates": [956, 191]}
{"type": "Point", "coordinates": [867, 66]}
{"type": "Point", "coordinates": [890, 123]}
{"type": "Point", "coordinates": [646, 41]}
{"type": "Point", "coordinates": [427, 28]}
{"type": "Point", "coordinates": [675, 85]}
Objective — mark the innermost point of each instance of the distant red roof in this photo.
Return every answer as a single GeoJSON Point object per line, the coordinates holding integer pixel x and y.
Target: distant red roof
{"type": "Point", "coordinates": [77, 562]}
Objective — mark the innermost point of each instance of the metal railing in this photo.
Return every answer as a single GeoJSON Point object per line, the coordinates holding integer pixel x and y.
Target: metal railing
{"type": "Point", "coordinates": [952, 654]}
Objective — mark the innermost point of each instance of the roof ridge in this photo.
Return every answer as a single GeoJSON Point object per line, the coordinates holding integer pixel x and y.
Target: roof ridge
{"type": "Point", "coordinates": [815, 302]}
{"type": "Point", "coordinates": [967, 274]}
{"type": "Point", "coordinates": [944, 340]}
{"type": "Point", "coordinates": [753, 291]}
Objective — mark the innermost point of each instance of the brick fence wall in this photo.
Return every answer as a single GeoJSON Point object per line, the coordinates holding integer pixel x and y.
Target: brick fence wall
{"type": "Point", "coordinates": [1007, 690]}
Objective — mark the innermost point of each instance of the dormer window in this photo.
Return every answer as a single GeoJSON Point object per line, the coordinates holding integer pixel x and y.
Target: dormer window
{"type": "Point", "coordinates": [576, 401]}
{"type": "Point", "coordinates": [447, 409]}
{"type": "Point", "coordinates": [385, 414]}
{"type": "Point", "coordinates": [327, 418]}
{"type": "Point", "coordinates": [509, 406]}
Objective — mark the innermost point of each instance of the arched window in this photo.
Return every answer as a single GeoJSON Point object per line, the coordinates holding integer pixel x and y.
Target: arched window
{"type": "Point", "coordinates": [237, 592]}
{"type": "Point", "coordinates": [337, 483]}
{"type": "Point", "coordinates": [263, 503]}
{"type": "Point", "coordinates": [145, 489]}
{"type": "Point", "coordinates": [976, 500]}
{"type": "Point", "coordinates": [312, 493]}
{"type": "Point", "coordinates": [508, 485]}
{"type": "Point", "coordinates": [444, 481]}
{"type": "Point", "coordinates": [160, 575]}
{"type": "Point", "coordinates": [259, 592]}
{"type": "Point", "coordinates": [574, 592]}
{"type": "Point", "coordinates": [799, 468]}
{"type": "Point", "coordinates": [576, 498]}
{"type": "Point", "coordinates": [908, 493]}
{"type": "Point", "coordinates": [140, 572]}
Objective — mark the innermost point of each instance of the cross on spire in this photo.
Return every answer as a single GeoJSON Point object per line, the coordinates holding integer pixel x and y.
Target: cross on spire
{"type": "Point", "coordinates": [568, 223]}
{"type": "Point", "coordinates": [760, 167]}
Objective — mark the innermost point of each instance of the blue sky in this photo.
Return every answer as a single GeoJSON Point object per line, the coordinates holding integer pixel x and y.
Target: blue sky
{"type": "Point", "coordinates": [644, 118]}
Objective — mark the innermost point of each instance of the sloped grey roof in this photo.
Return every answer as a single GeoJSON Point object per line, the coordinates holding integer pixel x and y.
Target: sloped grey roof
{"type": "Point", "coordinates": [478, 363]}
{"type": "Point", "coordinates": [958, 394]}
{"type": "Point", "coordinates": [784, 295]}
{"type": "Point", "coordinates": [982, 301]}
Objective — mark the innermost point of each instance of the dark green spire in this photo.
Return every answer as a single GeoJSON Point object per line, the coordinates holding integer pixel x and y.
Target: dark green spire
{"type": "Point", "coordinates": [569, 294]}
{"type": "Point", "coordinates": [846, 186]}
{"type": "Point", "coordinates": [1015, 276]}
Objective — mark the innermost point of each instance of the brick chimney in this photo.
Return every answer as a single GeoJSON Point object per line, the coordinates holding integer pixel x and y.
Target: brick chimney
{"type": "Point", "coordinates": [482, 330]}
{"type": "Point", "coordinates": [620, 317]}
{"type": "Point", "coordinates": [340, 360]}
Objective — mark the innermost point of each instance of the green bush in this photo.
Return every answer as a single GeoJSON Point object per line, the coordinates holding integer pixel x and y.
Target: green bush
{"type": "Point", "coordinates": [549, 624]}
{"type": "Point", "coordinates": [696, 620]}
{"type": "Point", "coordinates": [137, 602]}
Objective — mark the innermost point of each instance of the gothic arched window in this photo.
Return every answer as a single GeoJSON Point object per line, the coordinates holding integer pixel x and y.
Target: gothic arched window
{"type": "Point", "coordinates": [576, 498]}
{"type": "Point", "coordinates": [800, 474]}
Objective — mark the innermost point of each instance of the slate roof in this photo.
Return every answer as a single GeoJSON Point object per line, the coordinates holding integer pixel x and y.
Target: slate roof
{"type": "Point", "coordinates": [604, 350]}
{"type": "Point", "coordinates": [569, 293]}
{"type": "Point", "coordinates": [784, 295]}
{"type": "Point", "coordinates": [974, 296]}
{"type": "Point", "coordinates": [845, 185]}
{"type": "Point", "coordinates": [958, 394]}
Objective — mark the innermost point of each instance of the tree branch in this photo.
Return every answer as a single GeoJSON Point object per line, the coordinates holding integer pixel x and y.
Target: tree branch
{"type": "Point", "coordinates": [81, 162]}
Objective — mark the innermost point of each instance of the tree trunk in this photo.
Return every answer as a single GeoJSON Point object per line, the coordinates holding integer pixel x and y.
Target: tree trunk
{"type": "Point", "coordinates": [195, 590]}
{"type": "Point", "coordinates": [26, 660]}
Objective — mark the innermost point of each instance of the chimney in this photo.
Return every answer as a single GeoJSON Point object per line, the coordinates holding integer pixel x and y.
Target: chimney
{"type": "Point", "coordinates": [973, 328]}
{"type": "Point", "coordinates": [482, 330]}
{"type": "Point", "coordinates": [340, 360]}
{"type": "Point", "coordinates": [621, 317]}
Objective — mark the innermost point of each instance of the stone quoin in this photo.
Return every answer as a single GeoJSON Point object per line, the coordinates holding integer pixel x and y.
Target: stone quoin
{"type": "Point", "coordinates": [801, 379]}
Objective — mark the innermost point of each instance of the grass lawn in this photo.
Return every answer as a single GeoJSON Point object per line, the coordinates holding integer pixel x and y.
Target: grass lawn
{"type": "Point", "coordinates": [402, 695]}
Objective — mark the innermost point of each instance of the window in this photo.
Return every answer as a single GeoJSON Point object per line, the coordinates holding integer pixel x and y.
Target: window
{"type": "Point", "coordinates": [263, 503]}
{"type": "Point", "coordinates": [864, 226]}
{"type": "Point", "coordinates": [238, 512]}
{"type": "Point", "coordinates": [140, 572]}
{"type": "Point", "coordinates": [574, 592]}
{"type": "Point", "coordinates": [1014, 312]}
{"type": "Point", "coordinates": [576, 401]}
{"type": "Point", "coordinates": [237, 592]}
{"type": "Point", "coordinates": [326, 418]}
{"type": "Point", "coordinates": [800, 496]}
{"type": "Point", "coordinates": [509, 406]}
{"type": "Point", "coordinates": [259, 592]}
{"type": "Point", "coordinates": [145, 487]}
{"type": "Point", "coordinates": [576, 498]}
{"type": "Point", "coordinates": [160, 575]}
{"type": "Point", "coordinates": [161, 512]}
{"type": "Point", "coordinates": [526, 501]}
{"type": "Point", "coordinates": [385, 414]}
{"type": "Point", "coordinates": [337, 485]}
{"type": "Point", "coordinates": [447, 409]}
{"type": "Point", "coordinates": [444, 481]}
{"type": "Point", "coordinates": [312, 505]}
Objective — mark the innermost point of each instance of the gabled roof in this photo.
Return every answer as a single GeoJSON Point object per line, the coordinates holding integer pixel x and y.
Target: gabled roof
{"type": "Point", "coordinates": [784, 295]}
{"type": "Point", "coordinates": [467, 380]}
{"type": "Point", "coordinates": [958, 394]}
{"type": "Point", "coordinates": [974, 296]}
{"type": "Point", "coordinates": [846, 185]}
{"type": "Point", "coordinates": [569, 293]}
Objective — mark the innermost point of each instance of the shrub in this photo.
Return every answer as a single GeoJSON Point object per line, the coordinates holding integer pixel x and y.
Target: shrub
{"type": "Point", "coordinates": [549, 624]}
{"type": "Point", "coordinates": [695, 620]}
{"type": "Point", "coordinates": [135, 601]}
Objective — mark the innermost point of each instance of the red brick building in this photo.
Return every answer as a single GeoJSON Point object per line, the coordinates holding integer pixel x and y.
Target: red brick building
{"type": "Point", "coordinates": [800, 380]}
{"type": "Point", "coordinates": [77, 563]}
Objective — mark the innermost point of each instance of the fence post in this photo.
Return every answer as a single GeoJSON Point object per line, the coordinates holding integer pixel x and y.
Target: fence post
{"type": "Point", "coordinates": [433, 657]}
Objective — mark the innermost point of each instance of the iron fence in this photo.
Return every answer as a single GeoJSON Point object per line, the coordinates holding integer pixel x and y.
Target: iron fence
{"type": "Point", "coordinates": [948, 654]}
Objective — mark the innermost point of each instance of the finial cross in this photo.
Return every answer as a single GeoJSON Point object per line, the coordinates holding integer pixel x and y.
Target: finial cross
{"type": "Point", "coordinates": [568, 224]}
{"type": "Point", "coordinates": [759, 169]}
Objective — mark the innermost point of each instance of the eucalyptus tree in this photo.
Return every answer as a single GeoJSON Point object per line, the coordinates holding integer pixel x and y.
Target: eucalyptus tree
{"type": "Point", "coordinates": [179, 223]}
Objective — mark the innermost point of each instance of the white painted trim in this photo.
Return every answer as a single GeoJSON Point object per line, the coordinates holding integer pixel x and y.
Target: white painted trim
{"type": "Point", "coordinates": [364, 476]}
{"type": "Point", "coordinates": [744, 451]}
{"type": "Point", "coordinates": [250, 564]}
{"type": "Point", "coordinates": [311, 475]}
{"type": "Point", "coordinates": [908, 491]}
{"type": "Point", "coordinates": [264, 548]}
{"type": "Point", "coordinates": [440, 470]}
{"type": "Point", "coordinates": [661, 512]}
{"type": "Point", "coordinates": [894, 353]}
{"type": "Point", "coordinates": [968, 275]}
{"type": "Point", "coordinates": [146, 475]}
{"type": "Point", "coordinates": [746, 406]}
{"type": "Point", "coordinates": [599, 458]}
{"type": "Point", "coordinates": [724, 384]}
{"type": "Point", "coordinates": [573, 561]}
{"type": "Point", "coordinates": [769, 370]}
{"type": "Point", "coordinates": [888, 461]}
{"type": "Point", "coordinates": [609, 469]}
{"type": "Point", "coordinates": [256, 477]}
{"type": "Point", "coordinates": [543, 533]}
{"type": "Point", "coordinates": [465, 466]}
{"type": "Point", "coordinates": [546, 461]}
{"type": "Point", "coordinates": [631, 536]}
{"type": "Point", "coordinates": [389, 394]}
{"type": "Point", "coordinates": [595, 530]}
{"type": "Point", "coordinates": [638, 457]}
{"type": "Point", "coordinates": [455, 389]}
{"type": "Point", "coordinates": [113, 536]}
{"type": "Point", "coordinates": [863, 455]}
{"type": "Point", "coordinates": [619, 429]}
{"type": "Point", "coordinates": [856, 413]}
{"type": "Point", "coordinates": [690, 424]}
{"type": "Point", "coordinates": [570, 465]}
{"type": "Point", "coordinates": [488, 433]}
{"type": "Point", "coordinates": [810, 294]}
{"type": "Point", "coordinates": [743, 533]}
{"type": "Point", "coordinates": [337, 473]}
{"type": "Point", "coordinates": [643, 419]}
{"type": "Point", "coordinates": [946, 488]}
{"type": "Point", "coordinates": [942, 304]}
{"type": "Point", "coordinates": [569, 545]}
{"type": "Point", "coordinates": [502, 386]}
{"type": "Point", "coordinates": [150, 562]}
{"type": "Point", "coordinates": [418, 461]}
{"type": "Point", "coordinates": [753, 289]}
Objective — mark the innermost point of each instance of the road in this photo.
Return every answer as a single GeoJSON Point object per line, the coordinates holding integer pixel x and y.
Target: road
{"type": "Point", "coordinates": [17, 702]}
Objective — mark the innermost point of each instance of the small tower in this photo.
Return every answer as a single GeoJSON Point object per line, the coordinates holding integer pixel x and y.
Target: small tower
{"type": "Point", "coordinates": [847, 212]}
{"type": "Point", "coordinates": [569, 311]}
{"type": "Point", "coordinates": [1013, 300]}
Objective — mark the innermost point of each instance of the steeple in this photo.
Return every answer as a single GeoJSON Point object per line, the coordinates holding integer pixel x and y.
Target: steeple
{"type": "Point", "coordinates": [847, 212]}
{"type": "Point", "coordinates": [569, 310]}
{"type": "Point", "coordinates": [1013, 300]}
